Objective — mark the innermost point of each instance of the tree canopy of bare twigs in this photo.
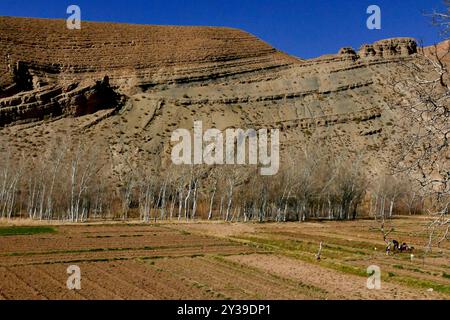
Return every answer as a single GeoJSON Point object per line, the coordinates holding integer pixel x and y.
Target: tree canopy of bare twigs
{"type": "Point", "coordinates": [423, 95]}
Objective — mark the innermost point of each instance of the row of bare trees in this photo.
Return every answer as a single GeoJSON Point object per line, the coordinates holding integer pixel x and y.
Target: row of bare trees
{"type": "Point", "coordinates": [394, 194]}
{"type": "Point", "coordinates": [71, 182]}
{"type": "Point", "coordinates": [57, 185]}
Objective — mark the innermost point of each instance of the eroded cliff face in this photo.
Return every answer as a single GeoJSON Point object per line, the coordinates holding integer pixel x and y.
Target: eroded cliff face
{"type": "Point", "coordinates": [129, 54]}
{"type": "Point", "coordinates": [130, 86]}
{"type": "Point", "coordinates": [43, 57]}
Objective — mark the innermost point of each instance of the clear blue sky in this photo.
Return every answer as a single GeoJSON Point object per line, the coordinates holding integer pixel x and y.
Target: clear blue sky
{"type": "Point", "coordinates": [305, 28]}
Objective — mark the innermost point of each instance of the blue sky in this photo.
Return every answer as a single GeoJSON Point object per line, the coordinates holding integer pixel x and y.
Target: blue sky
{"type": "Point", "coordinates": [304, 28]}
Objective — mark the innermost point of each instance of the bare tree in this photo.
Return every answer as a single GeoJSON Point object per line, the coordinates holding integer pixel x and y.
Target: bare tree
{"type": "Point", "coordinates": [128, 183]}
{"type": "Point", "coordinates": [10, 175]}
{"type": "Point", "coordinates": [441, 19]}
{"type": "Point", "coordinates": [423, 95]}
{"type": "Point", "coordinates": [211, 200]}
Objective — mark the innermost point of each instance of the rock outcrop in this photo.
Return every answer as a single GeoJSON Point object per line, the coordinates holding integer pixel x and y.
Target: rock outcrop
{"type": "Point", "coordinates": [388, 48]}
{"type": "Point", "coordinates": [53, 100]}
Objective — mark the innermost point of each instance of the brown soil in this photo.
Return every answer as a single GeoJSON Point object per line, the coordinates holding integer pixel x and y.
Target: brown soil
{"type": "Point", "coordinates": [220, 261]}
{"type": "Point", "coordinates": [338, 285]}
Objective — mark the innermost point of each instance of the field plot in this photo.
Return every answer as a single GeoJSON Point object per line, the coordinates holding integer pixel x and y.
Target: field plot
{"type": "Point", "coordinates": [217, 261]}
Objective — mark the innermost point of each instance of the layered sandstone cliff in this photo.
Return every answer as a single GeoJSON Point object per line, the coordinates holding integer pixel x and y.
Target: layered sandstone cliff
{"type": "Point", "coordinates": [130, 86]}
{"type": "Point", "coordinates": [40, 55]}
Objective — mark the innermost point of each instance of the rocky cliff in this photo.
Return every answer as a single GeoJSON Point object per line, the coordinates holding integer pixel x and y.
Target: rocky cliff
{"type": "Point", "coordinates": [130, 86]}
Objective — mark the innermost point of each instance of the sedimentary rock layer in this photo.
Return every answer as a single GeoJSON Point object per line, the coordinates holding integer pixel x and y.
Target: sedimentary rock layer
{"type": "Point", "coordinates": [154, 79]}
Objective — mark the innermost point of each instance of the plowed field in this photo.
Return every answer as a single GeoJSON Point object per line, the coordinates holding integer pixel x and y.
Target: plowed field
{"type": "Point", "coordinates": [219, 261]}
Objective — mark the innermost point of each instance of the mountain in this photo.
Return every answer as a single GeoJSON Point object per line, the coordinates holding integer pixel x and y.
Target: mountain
{"type": "Point", "coordinates": [125, 88]}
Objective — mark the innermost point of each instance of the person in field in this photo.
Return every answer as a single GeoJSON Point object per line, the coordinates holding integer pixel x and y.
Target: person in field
{"type": "Point", "coordinates": [394, 246]}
